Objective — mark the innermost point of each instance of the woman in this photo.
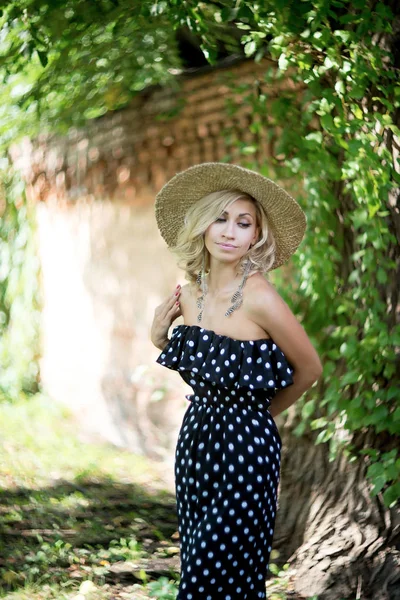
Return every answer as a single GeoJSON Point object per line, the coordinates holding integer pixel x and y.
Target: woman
{"type": "Point", "coordinates": [247, 359]}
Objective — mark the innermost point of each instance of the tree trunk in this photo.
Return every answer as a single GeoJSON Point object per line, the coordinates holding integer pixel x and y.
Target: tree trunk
{"type": "Point", "coordinates": [342, 543]}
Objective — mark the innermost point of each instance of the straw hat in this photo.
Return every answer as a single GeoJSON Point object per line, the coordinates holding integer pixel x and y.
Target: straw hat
{"type": "Point", "coordinates": [284, 214]}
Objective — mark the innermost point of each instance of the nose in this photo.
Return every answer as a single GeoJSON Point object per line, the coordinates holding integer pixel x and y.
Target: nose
{"type": "Point", "coordinates": [228, 229]}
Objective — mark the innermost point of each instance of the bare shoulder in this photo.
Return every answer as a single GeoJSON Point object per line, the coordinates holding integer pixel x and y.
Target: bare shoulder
{"type": "Point", "coordinates": [262, 302]}
{"type": "Point", "coordinates": [266, 307]}
{"type": "Point", "coordinates": [258, 290]}
{"type": "Point", "coordinates": [187, 298]}
{"type": "Point", "coordinates": [188, 291]}
{"type": "Point", "coordinates": [258, 280]}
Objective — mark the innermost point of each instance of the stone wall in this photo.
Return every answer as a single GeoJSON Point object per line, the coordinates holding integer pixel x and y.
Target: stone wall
{"type": "Point", "coordinates": [105, 267]}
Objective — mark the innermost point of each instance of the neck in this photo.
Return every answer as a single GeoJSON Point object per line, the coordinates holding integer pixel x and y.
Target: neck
{"type": "Point", "coordinates": [222, 277]}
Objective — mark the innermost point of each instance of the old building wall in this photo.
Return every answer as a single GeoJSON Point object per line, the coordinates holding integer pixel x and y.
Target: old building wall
{"type": "Point", "coordinates": [105, 266]}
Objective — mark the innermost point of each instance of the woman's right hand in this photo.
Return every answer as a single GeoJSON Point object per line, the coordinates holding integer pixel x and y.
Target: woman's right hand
{"type": "Point", "coordinates": [164, 315]}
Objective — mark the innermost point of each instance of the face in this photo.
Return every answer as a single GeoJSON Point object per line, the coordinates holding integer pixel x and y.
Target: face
{"type": "Point", "coordinates": [232, 233]}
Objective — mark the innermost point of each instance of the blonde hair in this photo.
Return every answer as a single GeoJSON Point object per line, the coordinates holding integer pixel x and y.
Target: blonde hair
{"type": "Point", "coordinates": [190, 247]}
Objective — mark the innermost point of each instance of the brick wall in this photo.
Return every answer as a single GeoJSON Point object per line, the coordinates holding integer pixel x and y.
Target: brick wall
{"type": "Point", "coordinates": [105, 266]}
{"type": "Point", "coordinates": [123, 155]}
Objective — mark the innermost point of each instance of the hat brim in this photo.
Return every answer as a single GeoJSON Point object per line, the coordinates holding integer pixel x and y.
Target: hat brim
{"type": "Point", "coordinates": [284, 214]}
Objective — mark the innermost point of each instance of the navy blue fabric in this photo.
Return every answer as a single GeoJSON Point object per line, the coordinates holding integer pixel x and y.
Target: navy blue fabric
{"type": "Point", "coordinates": [227, 461]}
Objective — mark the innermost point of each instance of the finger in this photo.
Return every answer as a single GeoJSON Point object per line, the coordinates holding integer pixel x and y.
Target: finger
{"type": "Point", "coordinates": [175, 296]}
{"type": "Point", "coordinates": [174, 306]}
{"type": "Point", "coordinates": [173, 309]}
{"type": "Point", "coordinates": [169, 302]}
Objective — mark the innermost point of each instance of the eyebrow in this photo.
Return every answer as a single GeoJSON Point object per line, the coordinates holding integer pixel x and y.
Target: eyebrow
{"type": "Point", "coordinates": [241, 214]}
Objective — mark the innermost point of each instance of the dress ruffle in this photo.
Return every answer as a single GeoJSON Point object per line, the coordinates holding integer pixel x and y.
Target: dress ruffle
{"type": "Point", "coordinates": [226, 362]}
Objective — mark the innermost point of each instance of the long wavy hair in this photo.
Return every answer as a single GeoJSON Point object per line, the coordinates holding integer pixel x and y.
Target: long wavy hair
{"type": "Point", "coordinates": [190, 247]}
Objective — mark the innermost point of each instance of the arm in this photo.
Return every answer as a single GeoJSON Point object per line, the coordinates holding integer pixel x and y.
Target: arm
{"type": "Point", "coordinates": [265, 307]}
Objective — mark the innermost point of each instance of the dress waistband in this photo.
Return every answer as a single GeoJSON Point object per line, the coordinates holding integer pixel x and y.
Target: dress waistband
{"type": "Point", "coordinates": [232, 399]}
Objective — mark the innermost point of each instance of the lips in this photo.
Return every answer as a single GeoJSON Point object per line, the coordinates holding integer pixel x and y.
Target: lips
{"type": "Point", "coordinates": [226, 246]}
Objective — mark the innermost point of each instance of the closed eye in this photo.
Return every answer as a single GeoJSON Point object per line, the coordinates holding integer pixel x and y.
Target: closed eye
{"type": "Point", "coordinates": [242, 224]}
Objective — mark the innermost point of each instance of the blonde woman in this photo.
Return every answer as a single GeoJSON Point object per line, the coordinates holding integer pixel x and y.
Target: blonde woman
{"type": "Point", "coordinates": [247, 359]}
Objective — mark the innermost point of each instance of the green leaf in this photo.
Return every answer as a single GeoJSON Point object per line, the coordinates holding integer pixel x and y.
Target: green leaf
{"type": "Point", "coordinates": [327, 122]}
{"type": "Point", "coordinates": [339, 87]}
{"type": "Point", "coordinates": [357, 92]}
{"type": "Point", "coordinates": [379, 484]}
{"type": "Point", "coordinates": [315, 136]}
{"type": "Point", "coordinates": [391, 495]}
{"type": "Point", "coordinates": [299, 429]}
{"type": "Point", "coordinates": [394, 128]}
{"type": "Point", "coordinates": [283, 62]}
{"type": "Point", "coordinates": [329, 63]}
{"type": "Point", "coordinates": [229, 14]}
{"type": "Point", "coordinates": [392, 472]}
{"type": "Point", "coordinates": [210, 54]}
{"type": "Point", "coordinates": [250, 48]}
{"type": "Point", "coordinates": [323, 436]}
{"type": "Point", "coordinates": [318, 423]}
{"type": "Point", "coordinates": [308, 409]}
{"type": "Point", "coordinates": [396, 414]}
{"type": "Point", "coordinates": [342, 35]}
{"type": "Point", "coordinates": [379, 414]}
{"type": "Point", "coordinates": [274, 568]}
{"type": "Point", "coordinates": [382, 275]}
{"type": "Point", "coordinates": [357, 112]}
{"type": "Point", "coordinates": [375, 470]}
{"type": "Point", "coordinates": [351, 377]}
{"type": "Point", "coordinates": [359, 218]}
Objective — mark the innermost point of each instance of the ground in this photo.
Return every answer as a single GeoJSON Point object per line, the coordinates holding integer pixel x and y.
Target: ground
{"type": "Point", "coordinates": [84, 520]}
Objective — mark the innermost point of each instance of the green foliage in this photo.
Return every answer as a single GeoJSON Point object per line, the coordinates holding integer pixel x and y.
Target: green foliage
{"type": "Point", "coordinates": [19, 290]}
{"type": "Point", "coordinates": [65, 63]}
{"type": "Point", "coordinates": [384, 471]}
{"type": "Point", "coordinates": [163, 588]}
{"type": "Point", "coordinates": [331, 134]}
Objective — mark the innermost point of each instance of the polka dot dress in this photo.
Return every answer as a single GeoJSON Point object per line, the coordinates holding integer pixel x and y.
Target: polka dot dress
{"type": "Point", "coordinates": [227, 461]}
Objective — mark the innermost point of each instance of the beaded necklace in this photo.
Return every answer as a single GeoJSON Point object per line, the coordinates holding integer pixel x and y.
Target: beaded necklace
{"type": "Point", "coordinates": [236, 299]}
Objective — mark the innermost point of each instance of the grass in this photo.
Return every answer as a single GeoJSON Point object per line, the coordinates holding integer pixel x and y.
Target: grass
{"type": "Point", "coordinates": [84, 520]}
